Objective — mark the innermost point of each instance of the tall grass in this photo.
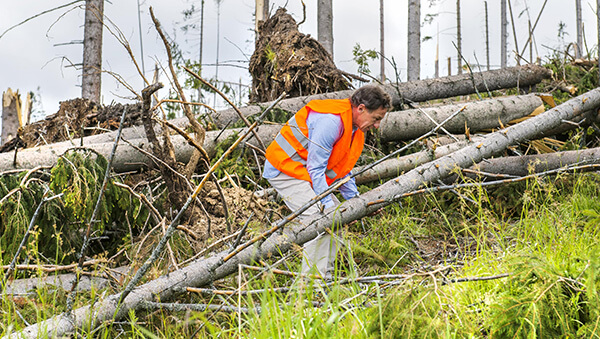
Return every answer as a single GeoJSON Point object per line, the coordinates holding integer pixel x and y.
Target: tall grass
{"type": "Point", "coordinates": [548, 244]}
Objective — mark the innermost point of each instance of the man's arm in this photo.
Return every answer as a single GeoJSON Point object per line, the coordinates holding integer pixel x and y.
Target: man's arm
{"type": "Point", "coordinates": [348, 189]}
{"type": "Point", "coordinates": [323, 132]}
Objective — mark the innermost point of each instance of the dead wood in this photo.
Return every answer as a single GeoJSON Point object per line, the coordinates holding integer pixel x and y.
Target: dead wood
{"type": "Point", "coordinates": [178, 189]}
{"type": "Point", "coordinates": [78, 118]}
{"type": "Point", "coordinates": [479, 115]}
{"type": "Point", "coordinates": [205, 271]}
{"type": "Point", "coordinates": [417, 91]}
{"type": "Point", "coordinates": [129, 157]}
{"type": "Point", "coordinates": [537, 163]}
{"type": "Point", "coordinates": [285, 60]}
{"type": "Point", "coordinates": [65, 281]}
{"type": "Point", "coordinates": [422, 90]}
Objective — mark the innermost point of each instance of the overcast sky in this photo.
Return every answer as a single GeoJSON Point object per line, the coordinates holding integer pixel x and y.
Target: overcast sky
{"type": "Point", "coordinates": [33, 59]}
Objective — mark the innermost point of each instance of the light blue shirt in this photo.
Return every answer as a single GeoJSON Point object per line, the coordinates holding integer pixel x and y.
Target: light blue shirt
{"type": "Point", "coordinates": [324, 130]}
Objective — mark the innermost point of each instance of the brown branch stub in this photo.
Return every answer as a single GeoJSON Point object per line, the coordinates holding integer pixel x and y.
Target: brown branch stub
{"type": "Point", "coordinates": [147, 115]}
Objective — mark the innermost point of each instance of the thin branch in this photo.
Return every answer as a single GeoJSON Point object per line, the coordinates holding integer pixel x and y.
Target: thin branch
{"type": "Point", "coordinates": [37, 15]}
{"type": "Point", "coordinates": [235, 108]}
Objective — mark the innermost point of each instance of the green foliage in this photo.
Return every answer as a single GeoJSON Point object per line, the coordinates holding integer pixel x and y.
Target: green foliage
{"type": "Point", "coordinates": [541, 301]}
{"type": "Point", "coordinates": [362, 57]}
{"type": "Point", "coordinates": [58, 233]}
{"type": "Point", "coordinates": [237, 162]}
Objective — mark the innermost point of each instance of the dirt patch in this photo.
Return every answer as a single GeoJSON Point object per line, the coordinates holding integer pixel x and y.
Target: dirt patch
{"type": "Point", "coordinates": [286, 60]}
{"type": "Point", "coordinates": [436, 250]}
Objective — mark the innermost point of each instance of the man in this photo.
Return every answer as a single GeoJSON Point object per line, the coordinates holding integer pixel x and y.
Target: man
{"type": "Point", "coordinates": [319, 144]}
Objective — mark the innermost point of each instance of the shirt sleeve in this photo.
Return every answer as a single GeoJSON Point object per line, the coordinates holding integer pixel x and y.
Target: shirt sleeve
{"type": "Point", "coordinates": [323, 132]}
{"type": "Point", "coordinates": [348, 189]}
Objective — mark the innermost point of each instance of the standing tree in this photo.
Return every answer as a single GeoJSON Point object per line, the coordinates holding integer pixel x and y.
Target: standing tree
{"type": "Point", "coordinates": [325, 24]}
{"type": "Point", "coordinates": [217, 56]}
{"type": "Point", "coordinates": [414, 40]}
{"type": "Point", "coordinates": [503, 34]}
{"type": "Point", "coordinates": [487, 38]}
{"type": "Point", "coordinates": [92, 50]}
{"type": "Point", "coordinates": [381, 42]}
{"type": "Point", "coordinates": [261, 13]}
{"type": "Point", "coordinates": [579, 49]}
{"type": "Point", "coordinates": [458, 37]}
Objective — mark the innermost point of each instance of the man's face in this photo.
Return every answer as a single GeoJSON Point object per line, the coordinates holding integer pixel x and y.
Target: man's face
{"type": "Point", "coordinates": [365, 119]}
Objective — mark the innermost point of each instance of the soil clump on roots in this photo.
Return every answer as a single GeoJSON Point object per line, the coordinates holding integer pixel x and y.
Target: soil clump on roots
{"type": "Point", "coordinates": [77, 118]}
{"type": "Point", "coordinates": [286, 60]}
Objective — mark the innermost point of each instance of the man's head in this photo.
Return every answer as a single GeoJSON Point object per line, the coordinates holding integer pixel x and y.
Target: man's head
{"type": "Point", "coordinates": [369, 105]}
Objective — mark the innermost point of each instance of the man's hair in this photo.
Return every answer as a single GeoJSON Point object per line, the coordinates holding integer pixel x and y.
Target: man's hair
{"type": "Point", "coordinates": [372, 96]}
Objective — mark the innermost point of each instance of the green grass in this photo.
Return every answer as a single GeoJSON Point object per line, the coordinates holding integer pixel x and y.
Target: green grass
{"type": "Point", "coordinates": [549, 245]}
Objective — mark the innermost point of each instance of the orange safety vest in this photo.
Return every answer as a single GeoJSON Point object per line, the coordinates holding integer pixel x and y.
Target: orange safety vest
{"type": "Point", "coordinates": [289, 150]}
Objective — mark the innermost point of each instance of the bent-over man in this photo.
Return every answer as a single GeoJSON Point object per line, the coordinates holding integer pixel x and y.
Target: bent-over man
{"type": "Point", "coordinates": [319, 144]}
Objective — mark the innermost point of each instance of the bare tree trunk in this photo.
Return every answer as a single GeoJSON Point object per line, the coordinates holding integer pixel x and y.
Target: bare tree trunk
{"type": "Point", "coordinates": [487, 37]}
{"type": "Point", "coordinates": [579, 23]}
{"type": "Point", "coordinates": [201, 45]}
{"type": "Point", "coordinates": [11, 115]}
{"type": "Point", "coordinates": [414, 41]}
{"type": "Point", "coordinates": [205, 271]}
{"type": "Point", "coordinates": [503, 34]}
{"type": "Point", "coordinates": [514, 29]}
{"type": "Point", "coordinates": [449, 66]}
{"type": "Point", "coordinates": [477, 116]}
{"type": "Point", "coordinates": [92, 50]}
{"type": "Point", "coordinates": [325, 24]}
{"type": "Point", "coordinates": [261, 13]}
{"type": "Point", "coordinates": [437, 57]}
{"type": "Point", "coordinates": [381, 42]}
{"type": "Point", "coordinates": [458, 37]}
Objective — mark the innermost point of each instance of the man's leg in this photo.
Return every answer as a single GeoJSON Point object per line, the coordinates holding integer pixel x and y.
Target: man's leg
{"type": "Point", "coordinates": [320, 252]}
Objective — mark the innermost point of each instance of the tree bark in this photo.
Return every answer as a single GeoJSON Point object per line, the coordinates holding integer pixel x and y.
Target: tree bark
{"type": "Point", "coordinates": [205, 271]}
{"type": "Point", "coordinates": [477, 116]}
{"type": "Point", "coordinates": [414, 40]}
{"type": "Point", "coordinates": [579, 23]}
{"type": "Point", "coordinates": [418, 91]}
{"type": "Point", "coordinates": [381, 43]}
{"type": "Point", "coordinates": [128, 158]}
{"type": "Point", "coordinates": [392, 168]}
{"type": "Point", "coordinates": [524, 165]}
{"type": "Point", "coordinates": [458, 37]}
{"type": "Point", "coordinates": [92, 50]}
{"type": "Point", "coordinates": [325, 24]}
{"type": "Point", "coordinates": [503, 34]}
{"type": "Point", "coordinates": [11, 103]}
{"type": "Point", "coordinates": [487, 38]}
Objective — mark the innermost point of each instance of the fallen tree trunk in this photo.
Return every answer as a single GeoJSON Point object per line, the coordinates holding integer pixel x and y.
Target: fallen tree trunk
{"type": "Point", "coordinates": [61, 281]}
{"type": "Point", "coordinates": [418, 91]}
{"type": "Point", "coordinates": [392, 168]}
{"type": "Point", "coordinates": [537, 163]}
{"type": "Point", "coordinates": [477, 116]}
{"type": "Point", "coordinates": [515, 166]}
{"type": "Point", "coordinates": [127, 157]}
{"type": "Point", "coordinates": [205, 271]}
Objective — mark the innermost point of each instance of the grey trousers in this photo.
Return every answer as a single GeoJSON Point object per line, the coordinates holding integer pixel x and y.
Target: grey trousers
{"type": "Point", "coordinates": [318, 255]}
